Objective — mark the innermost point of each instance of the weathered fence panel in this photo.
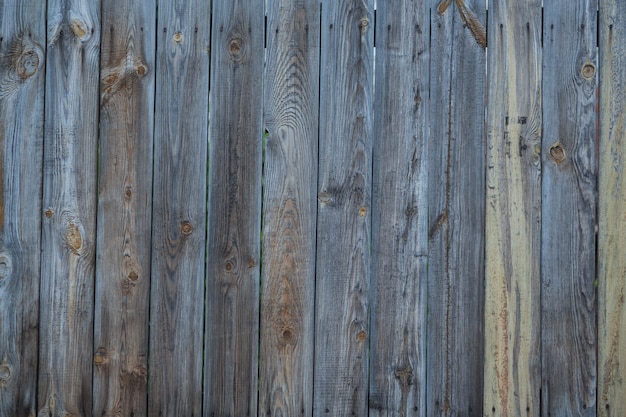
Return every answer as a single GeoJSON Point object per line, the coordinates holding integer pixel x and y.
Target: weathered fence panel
{"type": "Point", "coordinates": [121, 337]}
{"type": "Point", "coordinates": [568, 301]}
{"type": "Point", "coordinates": [513, 210]}
{"type": "Point", "coordinates": [236, 134]}
{"type": "Point", "coordinates": [179, 209]}
{"type": "Point", "coordinates": [456, 217]}
{"type": "Point", "coordinates": [611, 211]}
{"type": "Point", "coordinates": [22, 55]}
{"type": "Point", "coordinates": [399, 211]}
{"type": "Point", "coordinates": [69, 204]}
{"type": "Point", "coordinates": [291, 103]}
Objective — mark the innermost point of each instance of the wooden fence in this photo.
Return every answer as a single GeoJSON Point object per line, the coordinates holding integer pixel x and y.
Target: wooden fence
{"type": "Point", "coordinates": [285, 208]}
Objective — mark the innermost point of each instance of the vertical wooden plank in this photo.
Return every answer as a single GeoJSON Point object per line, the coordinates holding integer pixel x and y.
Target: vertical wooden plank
{"type": "Point", "coordinates": [400, 211]}
{"type": "Point", "coordinates": [569, 209]}
{"type": "Point", "coordinates": [179, 209]}
{"type": "Point", "coordinates": [22, 44]}
{"type": "Point", "coordinates": [69, 204]}
{"type": "Point", "coordinates": [344, 195]}
{"type": "Point", "coordinates": [234, 230]}
{"type": "Point", "coordinates": [513, 210]}
{"type": "Point", "coordinates": [456, 210]}
{"type": "Point", "coordinates": [611, 213]}
{"type": "Point", "coordinates": [289, 208]}
{"type": "Point", "coordinates": [124, 208]}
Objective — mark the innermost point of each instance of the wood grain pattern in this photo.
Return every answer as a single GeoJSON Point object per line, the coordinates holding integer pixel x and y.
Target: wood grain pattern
{"type": "Point", "coordinates": [513, 210]}
{"type": "Point", "coordinates": [124, 208]}
{"type": "Point", "coordinates": [344, 209]}
{"type": "Point", "coordinates": [69, 204]}
{"type": "Point", "coordinates": [234, 228]}
{"type": "Point", "coordinates": [456, 215]}
{"type": "Point", "coordinates": [289, 208]}
{"type": "Point", "coordinates": [611, 214]}
{"type": "Point", "coordinates": [568, 301]}
{"type": "Point", "coordinates": [179, 209]}
{"type": "Point", "coordinates": [22, 30]}
{"type": "Point", "coordinates": [400, 211]}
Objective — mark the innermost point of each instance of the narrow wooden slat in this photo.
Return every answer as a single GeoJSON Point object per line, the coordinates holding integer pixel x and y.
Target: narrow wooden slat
{"type": "Point", "coordinates": [179, 209]}
{"type": "Point", "coordinates": [456, 221]}
{"type": "Point", "coordinates": [290, 208]}
{"type": "Point", "coordinates": [22, 30]}
{"type": "Point", "coordinates": [69, 204]}
{"type": "Point", "coordinates": [612, 211]}
{"type": "Point", "coordinates": [234, 228]}
{"type": "Point", "coordinates": [513, 210]}
{"type": "Point", "coordinates": [400, 211]}
{"type": "Point", "coordinates": [344, 196]}
{"type": "Point", "coordinates": [124, 208]}
{"type": "Point", "coordinates": [569, 209]}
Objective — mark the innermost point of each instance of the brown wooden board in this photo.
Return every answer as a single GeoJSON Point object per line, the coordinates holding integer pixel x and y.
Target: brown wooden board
{"type": "Point", "coordinates": [22, 56]}
{"type": "Point", "coordinates": [344, 209]}
{"type": "Point", "coordinates": [124, 208]}
{"type": "Point", "coordinates": [456, 210]}
{"type": "Point", "coordinates": [69, 208]}
{"type": "Point", "coordinates": [179, 209]}
{"type": "Point", "coordinates": [234, 222]}
{"type": "Point", "coordinates": [289, 208]}
{"type": "Point", "coordinates": [568, 251]}
{"type": "Point", "coordinates": [513, 210]}
{"type": "Point", "coordinates": [399, 211]}
{"type": "Point", "coordinates": [612, 211]}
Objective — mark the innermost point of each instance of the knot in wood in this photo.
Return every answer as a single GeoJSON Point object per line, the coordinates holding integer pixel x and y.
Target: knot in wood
{"type": "Point", "coordinates": [186, 228]}
{"type": "Point", "coordinates": [80, 29]}
{"type": "Point", "coordinates": [48, 213]}
{"type": "Point", "coordinates": [178, 37]}
{"type": "Point", "coordinates": [73, 238]}
{"type": "Point", "coordinates": [363, 24]}
{"type": "Point", "coordinates": [5, 372]}
{"type": "Point", "coordinates": [5, 266]}
{"type": "Point", "coordinates": [27, 64]}
{"type": "Point", "coordinates": [361, 336]}
{"type": "Point", "coordinates": [588, 70]}
{"type": "Point", "coordinates": [557, 153]}
{"type": "Point", "coordinates": [100, 356]}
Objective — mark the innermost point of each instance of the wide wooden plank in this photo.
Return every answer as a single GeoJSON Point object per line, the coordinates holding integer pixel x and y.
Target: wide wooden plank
{"type": "Point", "coordinates": [289, 208]}
{"type": "Point", "coordinates": [568, 250]}
{"type": "Point", "coordinates": [234, 228]}
{"type": "Point", "coordinates": [344, 206]}
{"type": "Point", "coordinates": [612, 211]}
{"type": "Point", "coordinates": [69, 205]}
{"type": "Point", "coordinates": [179, 209]}
{"type": "Point", "coordinates": [400, 211]}
{"type": "Point", "coordinates": [124, 208]}
{"type": "Point", "coordinates": [513, 209]}
{"type": "Point", "coordinates": [22, 45]}
{"type": "Point", "coordinates": [456, 210]}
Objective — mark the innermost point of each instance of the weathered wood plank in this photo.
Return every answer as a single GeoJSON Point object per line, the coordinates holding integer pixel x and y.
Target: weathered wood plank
{"type": "Point", "coordinates": [179, 209]}
{"type": "Point", "coordinates": [69, 204]}
{"type": "Point", "coordinates": [400, 211]}
{"type": "Point", "coordinates": [22, 44]}
{"type": "Point", "coordinates": [569, 209]}
{"type": "Point", "coordinates": [289, 208]}
{"type": "Point", "coordinates": [235, 134]}
{"type": "Point", "coordinates": [513, 209]}
{"type": "Point", "coordinates": [344, 195]}
{"type": "Point", "coordinates": [612, 211]}
{"type": "Point", "coordinates": [456, 212]}
{"type": "Point", "coordinates": [124, 208]}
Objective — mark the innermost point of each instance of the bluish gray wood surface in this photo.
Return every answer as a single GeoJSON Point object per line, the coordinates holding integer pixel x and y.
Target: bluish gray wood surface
{"type": "Point", "coordinates": [22, 46]}
{"type": "Point", "coordinates": [234, 223]}
{"type": "Point", "coordinates": [179, 209]}
{"type": "Point", "coordinates": [124, 208]}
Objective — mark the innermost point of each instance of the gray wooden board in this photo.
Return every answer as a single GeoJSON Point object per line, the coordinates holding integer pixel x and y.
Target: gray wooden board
{"type": "Point", "coordinates": [569, 209]}
{"type": "Point", "coordinates": [179, 209]}
{"type": "Point", "coordinates": [289, 208]}
{"type": "Point", "coordinates": [124, 208]}
{"type": "Point", "coordinates": [344, 206]}
{"type": "Point", "coordinates": [234, 222]}
{"type": "Point", "coordinates": [69, 205]}
{"type": "Point", "coordinates": [513, 210]}
{"type": "Point", "coordinates": [611, 211]}
{"type": "Point", "coordinates": [22, 46]}
{"type": "Point", "coordinates": [456, 214]}
{"type": "Point", "coordinates": [400, 211]}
